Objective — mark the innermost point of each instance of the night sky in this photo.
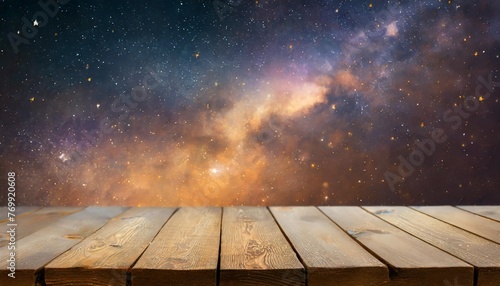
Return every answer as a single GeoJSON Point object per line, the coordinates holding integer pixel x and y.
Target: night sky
{"type": "Point", "coordinates": [233, 102]}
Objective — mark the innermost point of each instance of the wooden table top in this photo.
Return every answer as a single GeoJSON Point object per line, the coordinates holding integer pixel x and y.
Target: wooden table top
{"type": "Point", "coordinates": [343, 245]}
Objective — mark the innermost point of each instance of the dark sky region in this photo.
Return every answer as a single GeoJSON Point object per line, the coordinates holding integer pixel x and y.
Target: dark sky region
{"type": "Point", "coordinates": [233, 102]}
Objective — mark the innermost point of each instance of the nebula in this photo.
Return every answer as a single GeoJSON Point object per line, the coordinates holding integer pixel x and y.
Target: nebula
{"type": "Point", "coordinates": [251, 102]}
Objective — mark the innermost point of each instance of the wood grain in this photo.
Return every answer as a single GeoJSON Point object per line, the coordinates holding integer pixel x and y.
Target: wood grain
{"type": "Point", "coordinates": [255, 252]}
{"type": "Point", "coordinates": [329, 254]}
{"type": "Point", "coordinates": [20, 210]}
{"type": "Point", "coordinates": [36, 220]}
{"type": "Point", "coordinates": [492, 212]}
{"type": "Point", "coordinates": [476, 224]}
{"type": "Point", "coordinates": [185, 251]}
{"type": "Point", "coordinates": [104, 257]}
{"type": "Point", "coordinates": [37, 249]}
{"type": "Point", "coordinates": [483, 254]}
{"type": "Point", "coordinates": [412, 262]}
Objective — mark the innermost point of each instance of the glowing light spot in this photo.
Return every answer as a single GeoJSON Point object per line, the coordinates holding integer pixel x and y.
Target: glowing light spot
{"type": "Point", "coordinates": [32, 99]}
{"type": "Point", "coordinates": [64, 157]}
{"type": "Point", "coordinates": [392, 30]}
{"type": "Point", "coordinates": [89, 79]}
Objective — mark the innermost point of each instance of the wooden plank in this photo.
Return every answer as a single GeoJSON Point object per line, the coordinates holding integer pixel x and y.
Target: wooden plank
{"type": "Point", "coordinates": [329, 254]}
{"type": "Point", "coordinates": [20, 210]}
{"type": "Point", "coordinates": [185, 251]}
{"type": "Point", "coordinates": [481, 253]}
{"type": "Point", "coordinates": [411, 261]}
{"type": "Point", "coordinates": [476, 224]}
{"type": "Point", "coordinates": [36, 220]}
{"type": "Point", "coordinates": [104, 257]}
{"type": "Point", "coordinates": [37, 249]}
{"type": "Point", "coordinates": [492, 212]}
{"type": "Point", "coordinates": [255, 252]}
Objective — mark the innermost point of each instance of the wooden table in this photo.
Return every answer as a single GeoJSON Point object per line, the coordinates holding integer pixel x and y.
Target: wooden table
{"type": "Point", "coordinates": [376, 245]}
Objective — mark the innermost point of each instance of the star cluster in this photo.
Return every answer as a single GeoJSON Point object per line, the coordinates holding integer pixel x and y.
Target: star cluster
{"type": "Point", "coordinates": [230, 102]}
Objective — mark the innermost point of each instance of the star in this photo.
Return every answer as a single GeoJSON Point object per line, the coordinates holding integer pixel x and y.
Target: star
{"type": "Point", "coordinates": [295, 110]}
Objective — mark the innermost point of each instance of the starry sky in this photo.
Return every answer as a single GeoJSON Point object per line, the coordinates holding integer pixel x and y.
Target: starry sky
{"type": "Point", "coordinates": [235, 102]}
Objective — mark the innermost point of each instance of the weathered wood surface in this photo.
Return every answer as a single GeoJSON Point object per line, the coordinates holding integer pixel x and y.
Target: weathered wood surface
{"type": "Point", "coordinates": [20, 210]}
{"type": "Point", "coordinates": [483, 254]}
{"type": "Point", "coordinates": [36, 220]}
{"type": "Point", "coordinates": [185, 251]}
{"type": "Point", "coordinates": [492, 212]}
{"type": "Point", "coordinates": [106, 255]}
{"type": "Point", "coordinates": [476, 224]}
{"type": "Point", "coordinates": [391, 246]}
{"type": "Point", "coordinates": [330, 255]}
{"type": "Point", "coordinates": [39, 248]}
{"type": "Point", "coordinates": [412, 261]}
{"type": "Point", "coordinates": [255, 252]}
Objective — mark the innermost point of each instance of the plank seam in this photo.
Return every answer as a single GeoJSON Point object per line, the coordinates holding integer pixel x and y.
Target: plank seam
{"type": "Point", "coordinates": [128, 281]}
{"type": "Point", "coordinates": [40, 273]}
{"type": "Point", "coordinates": [476, 270]}
{"type": "Point", "coordinates": [480, 215]}
{"type": "Point", "coordinates": [40, 277]}
{"type": "Point", "coordinates": [306, 274]}
{"type": "Point", "coordinates": [469, 231]}
{"type": "Point", "coordinates": [390, 267]}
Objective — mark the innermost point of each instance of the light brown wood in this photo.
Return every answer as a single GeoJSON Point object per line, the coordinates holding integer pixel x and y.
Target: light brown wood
{"type": "Point", "coordinates": [492, 212]}
{"type": "Point", "coordinates": [392, 246]}
{"type": "Point", "coordinates": [36, 220]}
{"type": "Point", "coordinates": [107, 254]}
{"type": "Point", "coordinates": [476, 224]}
{"type": "Point", "coordinates": [329, 254]}
{"type": "Point", "coordinates": [20, 210]}
{"type": "Point", "coordinates": [255, 252]}
{"type": "Point", "coordinates": [38, 248]}
{"type": "Point", "coordinates": [185, 251]}
{"type": "Point", "coordinates": [412, 262]}
{"type": "Point", "coordinates": [483, 254]}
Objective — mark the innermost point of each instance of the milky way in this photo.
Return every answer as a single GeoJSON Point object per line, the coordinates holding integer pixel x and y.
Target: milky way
{"type": "Point", "coordinates": [251, 102]}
